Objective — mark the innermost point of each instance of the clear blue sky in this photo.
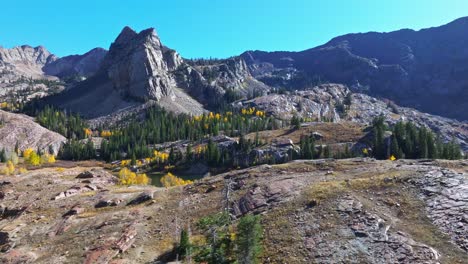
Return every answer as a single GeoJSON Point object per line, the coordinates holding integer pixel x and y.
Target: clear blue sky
{"type": "Point", "coordinates": [217, 28]}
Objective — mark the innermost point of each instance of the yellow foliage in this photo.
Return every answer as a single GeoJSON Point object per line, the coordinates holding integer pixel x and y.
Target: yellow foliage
{"type": "Point", "coordinates": [9, 169]}
{"type": "Point", "coordinates": [106, 133]}
{"type": "Point", "coordinates": [248, 111]}
{"type": "Point", "coordinates": [125, 162]}
{"type": "Point", "coordinates": [22, 170]}
{"type": "Point", "coordinates": [260, 113]}
{"type": "Point", "coordinates": [27, 152]}
{"type": "Point", "coordinates": [142, 179]}
{"type": "Point", "coordinates": [88, 132]}
{"type": "Point", "coordinates": [127, 177]}
{"type": "Point", "coordinates": [31, 157]}
{"type": "Point", "coordinates": [392, 158]}
{"type": "Point", "coordinates": [59, 169]}
{"type": "Point", "coordinates": [170, 180]}
{"type": "Point", "coordinates": [365, 151]}
{"type": "Point", "coordinates": [34, 159]}
{"type": "Point", "coordinates": [160, 156]}
{"type": "Point", "coordinates": [47, 158]}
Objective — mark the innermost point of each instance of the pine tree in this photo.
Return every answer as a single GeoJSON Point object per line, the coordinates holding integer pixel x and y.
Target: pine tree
{"type": "Point", "coordinates": [327, 152]}
{"type": "Point", "coordinates": [133, 161]}
{"type": "Point", "coordinates": [3, 155]}
{"type": "Point", "coordinates": [248, 241]}
{"type": "Point", "coordinates": [395, 148]}
{"type": "Point", "coordinates": [17, 151]}
{"type": "Point", "coordinates": [184, 245]}
{"type": "Point", "coordinates": [422, 144]}
{"type": "Point", "coordinates": [189, 153]}
{"type": "Point", "coordinates": [431, 147]}
{"type": "Point", "coordinates": [296, 122]}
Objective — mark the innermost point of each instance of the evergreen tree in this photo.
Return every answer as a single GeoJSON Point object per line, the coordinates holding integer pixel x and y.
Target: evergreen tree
{"type": "Point", "coordinates": [296, 122]}
{"type": "Point", "coordinates": [184, 245]}
{"type": "Point", "coordinates": [327, 152]}
{"type": "Point", "coordinates": [248, 241]}
{"type": "Point", "coordinates": [189, 153]}
{"type": "Point", "coordinates": [3, 155]}
{"type": "Point", "coordinates": [395, 148]}
{"type": "Point", "coordinates": [17, 150]}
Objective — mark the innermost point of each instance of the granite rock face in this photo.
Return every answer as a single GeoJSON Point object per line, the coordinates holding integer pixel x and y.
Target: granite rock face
{"type": "Point", "coordinates": [139, 64]}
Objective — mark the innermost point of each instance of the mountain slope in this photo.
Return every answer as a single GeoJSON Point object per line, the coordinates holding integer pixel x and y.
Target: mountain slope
{"type": "Point", "coordinates": [22, 130]}
{"type": "Point", "coordinates": [323, 102]}
{"type": "Point", "coordinates": [76, 65]}
{"type": "Point", "coordinates": [423, 69]}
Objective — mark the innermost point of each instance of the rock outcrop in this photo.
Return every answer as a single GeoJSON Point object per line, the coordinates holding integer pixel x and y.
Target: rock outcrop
{"type": "Point", "coordinates": [22, 130]}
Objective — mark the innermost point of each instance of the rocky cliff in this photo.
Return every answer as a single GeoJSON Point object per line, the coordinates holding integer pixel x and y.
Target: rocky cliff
{"type": "Point", "coordinates": [423, 69]}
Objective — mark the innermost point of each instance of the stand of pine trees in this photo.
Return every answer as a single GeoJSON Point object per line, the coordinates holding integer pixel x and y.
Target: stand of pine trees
{"type": "Point", "coordinates": [75, 150]}
{"type": "Point", "coordinates": [70, 126]}
{"type": "Point", "coordinates": [411, 142]}
{"type": "Point", "coordinates": [160, 126]}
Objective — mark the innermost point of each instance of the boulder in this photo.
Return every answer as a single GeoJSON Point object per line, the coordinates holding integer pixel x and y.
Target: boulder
{"type": "Point", "coordinates": [141, 198]}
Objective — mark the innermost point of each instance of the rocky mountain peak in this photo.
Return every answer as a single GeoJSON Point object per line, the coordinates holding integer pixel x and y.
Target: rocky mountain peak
{"type": "Point", "coordinates": [126, 35]}
{"type": "Point", "coordinates": [138, 65]}
{"type": "Point", "coordinates": [27, 55]}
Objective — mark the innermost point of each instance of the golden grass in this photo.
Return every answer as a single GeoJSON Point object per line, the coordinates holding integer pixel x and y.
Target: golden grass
{"type": "Point", "coordinates": [323, 190]}
{"type": "Point", "coordinates": [87, 214]}
{"type": "Point", "coordinates": [88, 194]}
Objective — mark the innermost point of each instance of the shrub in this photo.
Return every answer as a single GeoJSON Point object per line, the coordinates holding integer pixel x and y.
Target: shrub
{"type": "Point", "coordinates": [127, 177]}
{"type": "Point", "coordinates": [170, 180]}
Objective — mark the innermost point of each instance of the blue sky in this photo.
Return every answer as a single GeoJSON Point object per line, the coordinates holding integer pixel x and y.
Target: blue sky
{"type": "Point", "coordinates": [217, 28]}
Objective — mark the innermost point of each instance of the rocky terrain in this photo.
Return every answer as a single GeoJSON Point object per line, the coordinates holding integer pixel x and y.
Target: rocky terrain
{"type": "Point", "coordinates": [320, 103]}
{"type": "Point", "coordinates": [410, 67]}
{"type": "Point", "coordinates": [22, 130]}
{"type": "Point", "coordinates": [324, 211]}
{"type": "Point", "coordinates": [78, 66]}
{"type": "Point", "coordinates": [21, 75]}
